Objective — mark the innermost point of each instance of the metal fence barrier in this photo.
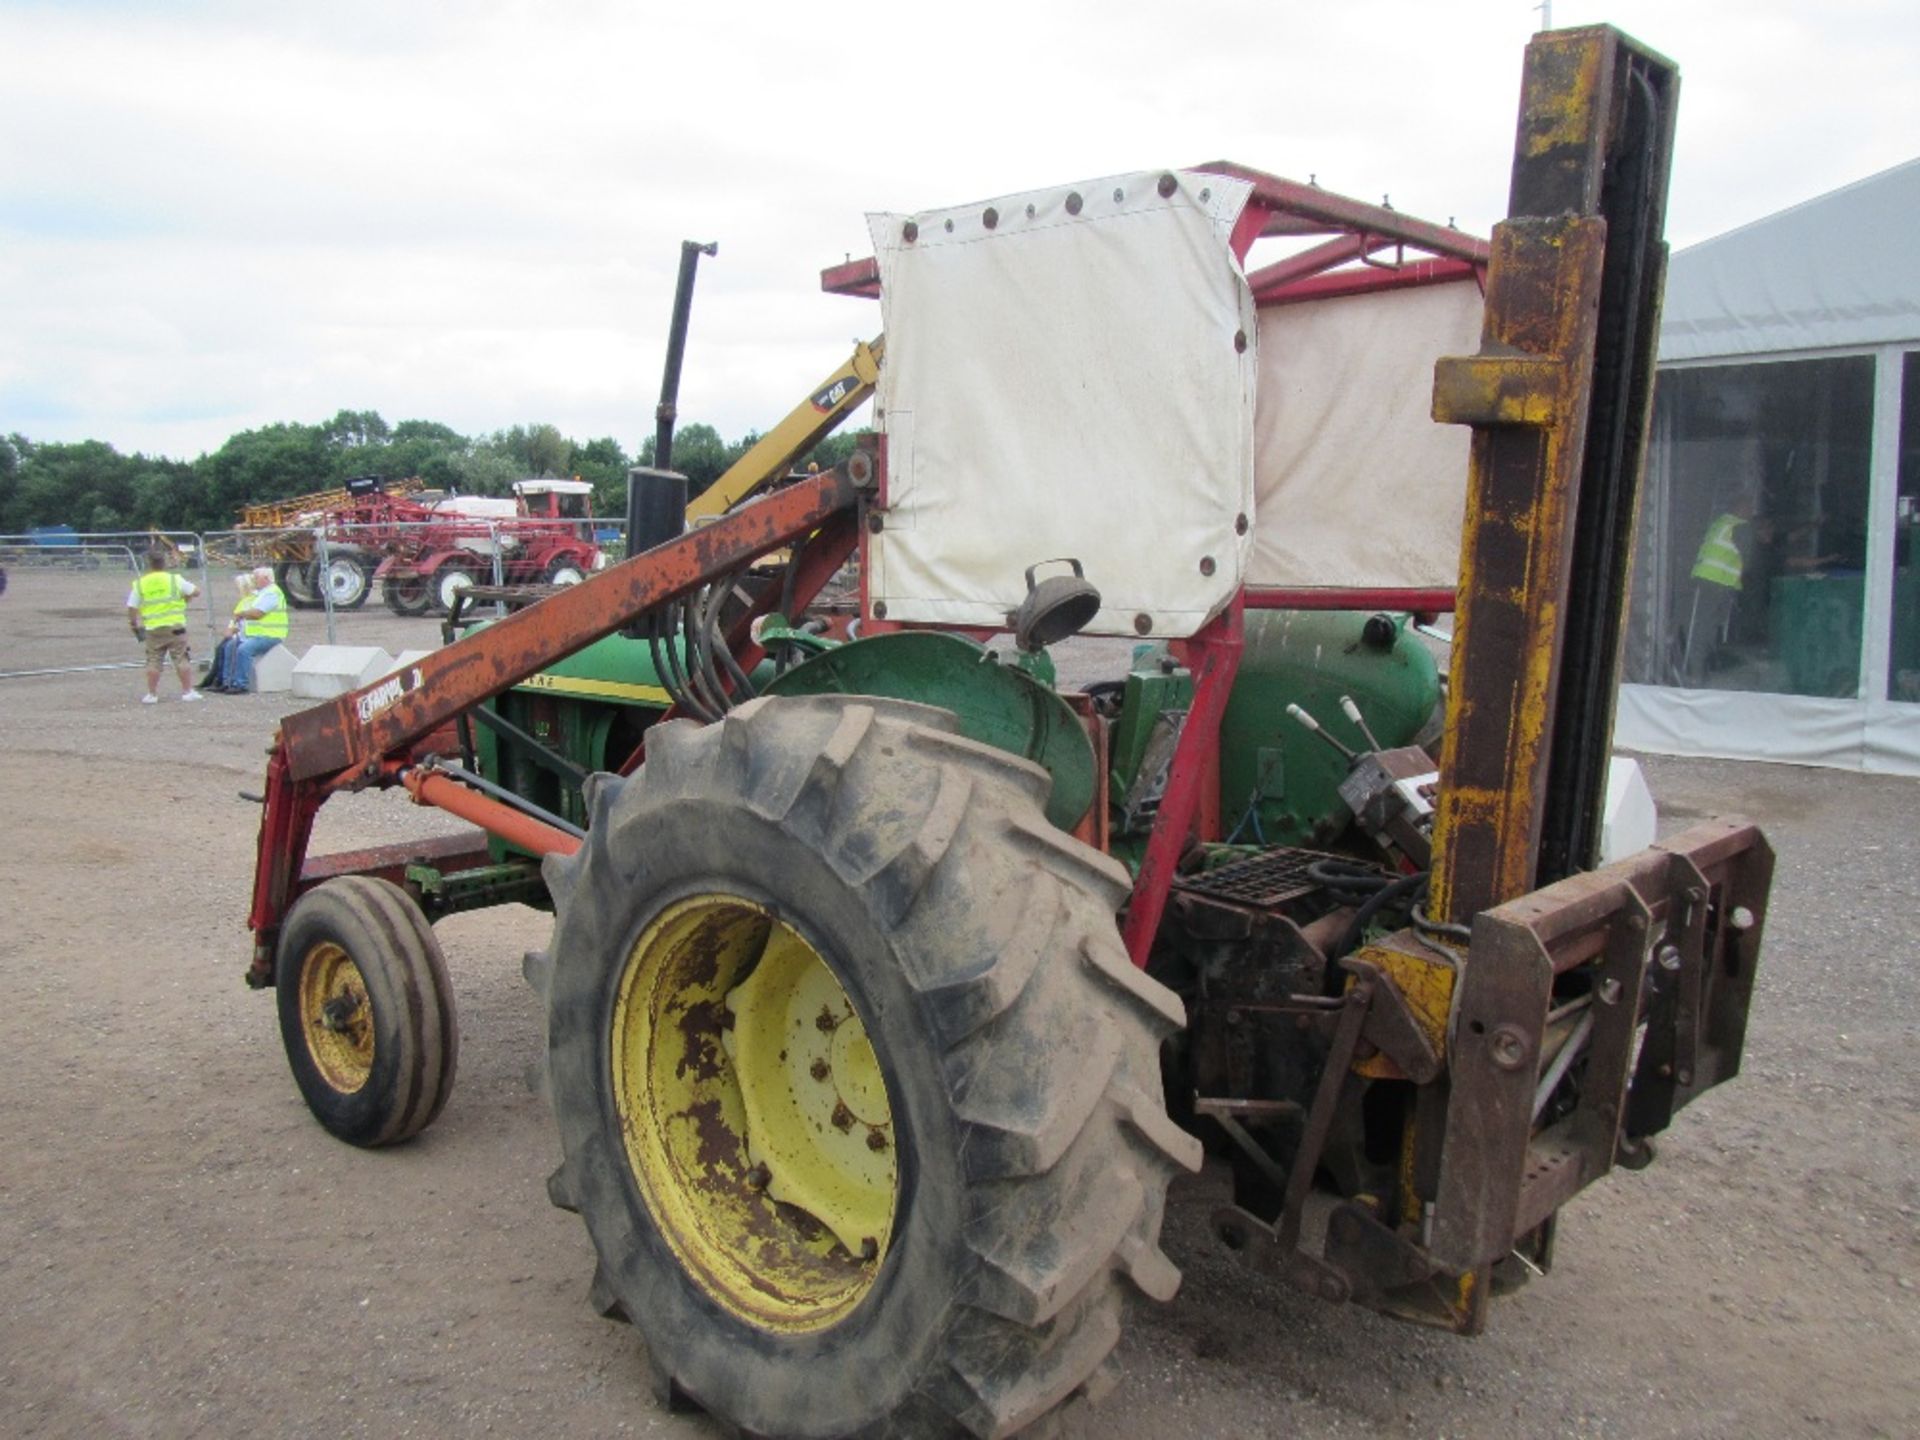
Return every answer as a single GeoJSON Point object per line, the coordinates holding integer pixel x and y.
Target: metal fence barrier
{"type": "Point", "coordinates": [359, 578]}
{"type": "Point", "coordinates": [95, 550]}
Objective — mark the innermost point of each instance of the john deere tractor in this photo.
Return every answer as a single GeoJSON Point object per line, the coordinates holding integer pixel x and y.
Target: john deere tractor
{"type": "Point", "coordinates": [891, 982]}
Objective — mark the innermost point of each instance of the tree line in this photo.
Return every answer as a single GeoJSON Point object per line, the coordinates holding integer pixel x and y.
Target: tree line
{"type": "Point", "coordinates": [91, 486]}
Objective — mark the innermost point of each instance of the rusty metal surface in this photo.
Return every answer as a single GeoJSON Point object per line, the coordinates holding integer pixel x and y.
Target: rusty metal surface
{"type": "Point", "coordinates": [1291, 202]}
{"type": "Point", "coordinates": [466, 851]}
{"type": "Point", "coordinates": [441, 791]}
{"type": "Point", "coordinates": [352, 733]}
{"type": "Point", "coordinates": [1661, 948]}
{"type": "Point", "coordinates": [1558, 397]}
{"type": "Point", "coordinates": [1524, 394]}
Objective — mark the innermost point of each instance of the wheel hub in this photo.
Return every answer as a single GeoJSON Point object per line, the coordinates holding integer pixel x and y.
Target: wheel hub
{"type": "Point", "coordinates": [336, 1018]}
{"type": "Point", "coordinates": [755, 1113]}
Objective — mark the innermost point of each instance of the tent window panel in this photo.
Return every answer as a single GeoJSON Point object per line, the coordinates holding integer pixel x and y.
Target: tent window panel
{"type": "Point", "coordinates": [1903, 660]}
{"type": "Point", "coordinates": [1753, 533]}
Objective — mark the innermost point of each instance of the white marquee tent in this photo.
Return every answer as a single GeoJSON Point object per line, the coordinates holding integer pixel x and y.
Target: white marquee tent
{"type": "Point", "coordinates": [1788, 405]}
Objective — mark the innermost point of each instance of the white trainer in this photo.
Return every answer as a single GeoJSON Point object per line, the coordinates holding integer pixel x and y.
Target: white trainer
{"type": "Point", "coordinates": [191, 695]}
{"type": "Point", "coordinates": [149, 699]}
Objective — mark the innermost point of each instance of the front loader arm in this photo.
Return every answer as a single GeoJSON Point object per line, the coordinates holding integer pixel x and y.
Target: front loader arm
{"type": "Point", "coordinates": [368, 737]}
{"type": "Point", "coordinates": [775, 452]}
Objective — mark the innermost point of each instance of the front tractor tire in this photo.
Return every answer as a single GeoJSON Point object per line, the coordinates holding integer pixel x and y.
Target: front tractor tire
{"type": "Point", "coordinates": [858, 1095]}
{"type": "Point", "coordinates": [366, 1011]}
{"type": "Point", "coordinates": [406, 592]}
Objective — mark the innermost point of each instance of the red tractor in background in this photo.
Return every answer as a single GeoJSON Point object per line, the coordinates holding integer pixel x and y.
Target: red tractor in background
{"type": "Point", "coordinates": [543, 536]}
{"type": "Point", "coordinates": [420, 548]}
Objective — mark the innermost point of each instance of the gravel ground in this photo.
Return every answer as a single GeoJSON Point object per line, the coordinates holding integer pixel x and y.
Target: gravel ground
{"type": "Point", "coordinates": [184, 1252]}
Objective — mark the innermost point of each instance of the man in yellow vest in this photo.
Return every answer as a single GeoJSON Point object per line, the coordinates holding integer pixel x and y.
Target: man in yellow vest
{"type": "Point", "coordinates": [263, 624]}
{"type": "Point", "coordinates": [1719, 570]}
{"type": "Point", "coordinates": [157, 611]}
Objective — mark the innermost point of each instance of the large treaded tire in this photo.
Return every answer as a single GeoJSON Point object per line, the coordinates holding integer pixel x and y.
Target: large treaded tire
{"type": "Point", "coordinates": [349, 575]}
{"type": "Point", "coordinates": [402, 981]}
{"type": "Point", "coordinates": [296, 581]}
{"type": "Point", "coordinates": [1019, 1046]}
{"type": "Point", "coordinates": [406, 592]}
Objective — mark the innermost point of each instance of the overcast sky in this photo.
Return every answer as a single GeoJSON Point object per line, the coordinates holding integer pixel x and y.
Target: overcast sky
{"type": "Point", "coordinates": [218, 215]}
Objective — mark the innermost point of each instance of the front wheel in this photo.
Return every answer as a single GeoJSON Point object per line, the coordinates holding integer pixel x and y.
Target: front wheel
{"type": "Point", "coordinates": [858, 1094]}
{"type": "Point", "coordinates": [565, 572]}
{"type": "Point", "coordinates": [366, 1011]}
{"type": "Point", "coordinates": [448, 581]}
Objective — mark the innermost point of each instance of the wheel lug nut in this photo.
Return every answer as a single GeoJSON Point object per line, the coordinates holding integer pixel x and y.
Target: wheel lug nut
{"type": "Point", "coordinates": [820, 1070]}
{"type": "Point", "coordinates": [759, 1177]}
{"type": "Point", "coordinates": [842, 1117]}
{"type": "Point", "coordinates": [869, 1248]}
{"type": "Point", "coordinates": [876, 1140]}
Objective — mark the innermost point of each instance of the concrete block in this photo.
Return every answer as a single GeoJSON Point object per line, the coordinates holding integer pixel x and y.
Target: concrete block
{"type": "Point", "coordinates": [1628, 824]}
{"type": "Point", "coordinates": [406, 660]}
{"type": "Point", "coordinates": [273, 671]}
{"type": "Point", "coordinates": [329, 670]}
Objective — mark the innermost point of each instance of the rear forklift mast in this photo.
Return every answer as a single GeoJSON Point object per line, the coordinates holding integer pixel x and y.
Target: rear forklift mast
{"type": "Point", "coordinates": [1453, 1084]}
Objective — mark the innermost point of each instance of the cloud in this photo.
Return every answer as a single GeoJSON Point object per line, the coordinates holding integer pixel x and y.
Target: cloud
{"type": "Point", "coordinates": [223, 215]}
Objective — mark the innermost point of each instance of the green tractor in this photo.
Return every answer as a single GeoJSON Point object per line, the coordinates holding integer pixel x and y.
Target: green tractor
{"type": "Point", "coordinates": [891, 983]}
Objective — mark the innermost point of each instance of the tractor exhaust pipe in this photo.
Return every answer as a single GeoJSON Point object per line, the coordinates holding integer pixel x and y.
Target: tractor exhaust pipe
{"type": "Point", "coordinates": [668, 410]}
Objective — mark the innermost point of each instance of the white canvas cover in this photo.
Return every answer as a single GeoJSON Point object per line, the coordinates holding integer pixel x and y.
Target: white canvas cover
{"type": "Point", "coordinates": [1355, 483]}
{"type": "Point", "coordinates": [1878, 736]}
{"type": "Point", "coordinates": [1074, 379]}
{"type": "Point", "coordinates": [1838, 270]}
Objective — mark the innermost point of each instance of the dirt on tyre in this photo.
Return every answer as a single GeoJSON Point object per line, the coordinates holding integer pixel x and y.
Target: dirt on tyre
{"type": "Point", "coordinates": [858, 1094]}
{"type": "Point", "coordinates": [366, 1011]}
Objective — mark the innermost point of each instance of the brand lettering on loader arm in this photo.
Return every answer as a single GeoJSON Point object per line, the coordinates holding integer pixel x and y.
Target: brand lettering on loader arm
{"type": "Point", "coordinates": [386, 693]}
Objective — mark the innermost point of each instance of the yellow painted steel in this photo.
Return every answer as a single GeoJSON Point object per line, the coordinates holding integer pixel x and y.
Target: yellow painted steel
{"type": "Point", "coordinates": [336, 1017]}
{"type": "Point", "coordinates": [817, 1112]}
{"type": "Point", "coordinates": [597, 689]}
{"type": "Point", "coordinates": [756, 1118]}
{"type": "Point", "coordinates": [1426, 983]}
{"type": "Point", "coordinates": [1528, 384]}
{"type": "Point", "coordinates": [830, 402]}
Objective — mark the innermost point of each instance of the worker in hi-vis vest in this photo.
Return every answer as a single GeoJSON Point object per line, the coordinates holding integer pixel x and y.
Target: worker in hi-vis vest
{"type": "Point", "coordinates": [263, 624]}
{"type": "Point", "coordinates": [1718, 571]}
{"type": "Point", "coordinates": [157, 612]}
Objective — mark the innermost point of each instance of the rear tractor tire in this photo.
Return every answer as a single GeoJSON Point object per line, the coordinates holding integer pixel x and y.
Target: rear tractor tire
{"type": "Point", "coordinates": [348, 577]}
{"type": "Point", "coordinates": [366, 1011]}
{"type": "Point", "coordinates": [295, 579]}
{"type": "Point", "coordinates": [858, 1095]}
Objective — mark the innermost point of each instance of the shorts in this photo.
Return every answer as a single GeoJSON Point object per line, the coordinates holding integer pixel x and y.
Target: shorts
{"type": "Point", "coordinates": [162, 643]}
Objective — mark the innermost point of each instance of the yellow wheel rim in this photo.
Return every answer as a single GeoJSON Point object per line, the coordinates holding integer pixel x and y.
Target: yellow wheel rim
{"type": "Point", "coordinates": [336, 1017]}
{"type": "Point", "coordinates": [755, 1114]}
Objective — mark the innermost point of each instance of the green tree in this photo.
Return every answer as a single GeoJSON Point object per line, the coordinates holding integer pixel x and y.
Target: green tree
{"type": "Point", "coordinates": [86, 483]}
{"type": "Point", "coordinates": [603, 464]}
{"type": "Point", "coordinates": [698, 453]}
{"type": "Point", "coordinates": [12, 449]}
{"type": "Point", "coordinates": [354, 429]}
{"type": "Point", "coordinates": [270, 463]}
{"type": "Point", "coordinates": [835, 449]}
